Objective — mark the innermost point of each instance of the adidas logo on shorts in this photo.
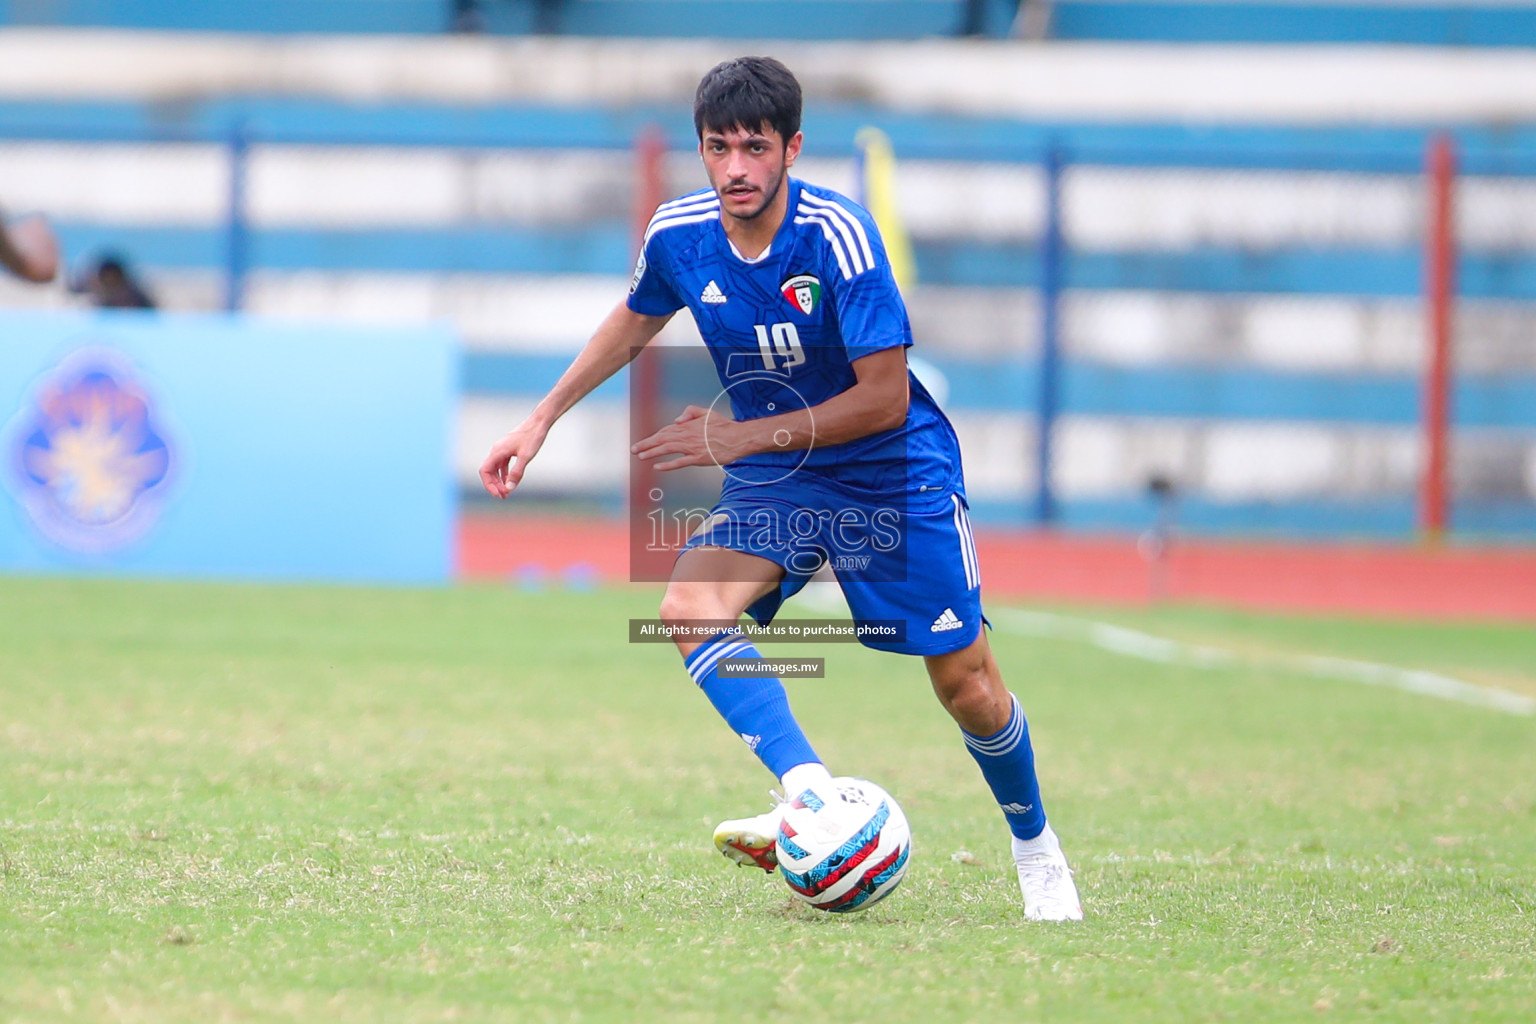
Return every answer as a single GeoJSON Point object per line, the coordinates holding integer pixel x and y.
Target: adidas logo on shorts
{"type": "Point", "coordinates": [944, 622]}
{"type": "Point", "coordinates": [712, 294]}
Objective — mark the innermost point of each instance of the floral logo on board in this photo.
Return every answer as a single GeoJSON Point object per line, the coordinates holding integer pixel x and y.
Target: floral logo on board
{"type": "Point", "coordinates": [90, 463]}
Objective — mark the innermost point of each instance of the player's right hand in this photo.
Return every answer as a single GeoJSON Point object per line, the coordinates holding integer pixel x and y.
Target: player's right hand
{"type": "Point", "coordinates": [503, 468]}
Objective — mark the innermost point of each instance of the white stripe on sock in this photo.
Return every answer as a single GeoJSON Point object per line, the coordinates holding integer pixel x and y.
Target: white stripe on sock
{"type": "Point", "coordinates": [1006, 741]}
{"type": "Point", "coordinates": [732, 643]}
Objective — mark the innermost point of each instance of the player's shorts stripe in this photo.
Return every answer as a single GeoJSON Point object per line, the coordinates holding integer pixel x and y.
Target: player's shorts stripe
{"type": "Point", "coordinates": [841, 224]}
{"type": "Point", "coordinates": [970, 543]}
{"type": "Point", "coordinates": [837, 243]}
{"type": "Point", "coordinates": [844, 214]}
{"type": "Point", "coordinates": [663, 223]}
{"type": "Point", "coordinates": [970, 547]}
{"type": "Point", "coordinates": [967, 545]}
{"type": "Point", "coordinates": [965, 556]}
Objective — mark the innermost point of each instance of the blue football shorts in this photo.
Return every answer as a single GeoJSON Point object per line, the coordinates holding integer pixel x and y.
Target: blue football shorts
{"type": "Point", "coordinates": [893, 563]}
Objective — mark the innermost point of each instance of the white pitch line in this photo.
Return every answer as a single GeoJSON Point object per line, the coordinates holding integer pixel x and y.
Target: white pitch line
{"type": "Point", "coordinates": [1133, 643]}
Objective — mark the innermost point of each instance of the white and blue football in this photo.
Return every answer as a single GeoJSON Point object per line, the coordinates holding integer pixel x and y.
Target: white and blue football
{"type": "Point", "coordinates": [845, 848]}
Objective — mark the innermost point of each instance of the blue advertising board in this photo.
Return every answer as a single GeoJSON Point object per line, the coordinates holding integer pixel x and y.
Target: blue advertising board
{"type": "Point", "coordinates": [225, 447]}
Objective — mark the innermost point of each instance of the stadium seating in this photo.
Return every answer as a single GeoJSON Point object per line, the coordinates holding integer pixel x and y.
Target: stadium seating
{"type": "Point", "coordinates": [1242, 310]}
{"type": "Point", "coordinates": [1447, 23]}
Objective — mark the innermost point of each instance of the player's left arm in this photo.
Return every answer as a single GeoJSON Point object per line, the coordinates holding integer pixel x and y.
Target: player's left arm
{"type": "Point", "coordinates": [876, 402]}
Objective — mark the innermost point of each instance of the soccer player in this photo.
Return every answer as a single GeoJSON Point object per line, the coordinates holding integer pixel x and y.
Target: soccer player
{"type": "Point", "coordinates": [834, 452]}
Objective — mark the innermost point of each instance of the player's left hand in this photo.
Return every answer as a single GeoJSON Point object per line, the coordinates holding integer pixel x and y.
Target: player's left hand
{"type": "Point", "coordinates": [698, 437]}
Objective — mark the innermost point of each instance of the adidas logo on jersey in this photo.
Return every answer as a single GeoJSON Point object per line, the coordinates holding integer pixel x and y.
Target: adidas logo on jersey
{"type": "Point", "coordinates": [949, 620]}
{"type": "Point", "coordinates": [712, 294]}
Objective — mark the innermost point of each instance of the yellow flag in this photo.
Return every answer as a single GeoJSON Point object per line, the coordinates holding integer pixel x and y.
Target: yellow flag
{"type": "Point", "coordinates": [877, 186]}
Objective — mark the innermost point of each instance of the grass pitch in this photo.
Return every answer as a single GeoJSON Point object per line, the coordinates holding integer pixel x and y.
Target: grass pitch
{"type": "Point", "coordinates": [254, 803]}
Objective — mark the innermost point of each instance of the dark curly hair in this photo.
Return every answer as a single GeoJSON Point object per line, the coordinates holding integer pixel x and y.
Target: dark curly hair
{"type": "Point", "coordinates": [748, 93]}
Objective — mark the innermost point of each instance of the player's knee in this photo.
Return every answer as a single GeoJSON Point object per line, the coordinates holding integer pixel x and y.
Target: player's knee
{"type": "Point", "coordinates": [679, 604]}
{"type": "Point", "coordinates": [977, 711]}
{"type": "Point", "coordinates": [968, 694]}
{"type": "Point", "coordinates": [676, 606]}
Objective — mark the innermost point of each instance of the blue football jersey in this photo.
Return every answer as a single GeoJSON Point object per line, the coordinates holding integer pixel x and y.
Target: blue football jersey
{"type": "Point", "coordinates": [785, 328]}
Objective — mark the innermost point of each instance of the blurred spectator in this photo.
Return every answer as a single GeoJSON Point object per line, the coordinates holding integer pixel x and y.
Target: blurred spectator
{"type": "Point", "coordinates": [466, 17]}
{"type": "Point", "coordinates": [1027, 19]}
{"type": "Point", "coordinates": [111, 286]}
{"type": "Point", "coordinates": [29, 249]}
{"type": "Point", "coordinates": [974, 15]}
{"type": "Point", "coordinates": [469, 16]}
{"type": "Point", "coordinates": [1034, 20]}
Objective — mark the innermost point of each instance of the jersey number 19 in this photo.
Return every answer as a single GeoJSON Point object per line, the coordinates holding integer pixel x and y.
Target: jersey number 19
{"type": "Point", "coordinates": [781, 342]}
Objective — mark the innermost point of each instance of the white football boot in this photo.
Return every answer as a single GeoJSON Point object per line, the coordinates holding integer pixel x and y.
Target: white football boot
{"type": "Point", "coordinates": [1046, 881]}
{"type": "Point", "coordinates": [752, 842]}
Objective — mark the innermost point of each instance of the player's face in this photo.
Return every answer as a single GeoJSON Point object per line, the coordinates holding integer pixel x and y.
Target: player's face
{"type": "Point", "coordinates": [747, 167]}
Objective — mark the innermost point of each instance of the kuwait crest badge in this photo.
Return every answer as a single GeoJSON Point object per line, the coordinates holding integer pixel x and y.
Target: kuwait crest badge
{"type": "Point", "coordinates": [803, 292]}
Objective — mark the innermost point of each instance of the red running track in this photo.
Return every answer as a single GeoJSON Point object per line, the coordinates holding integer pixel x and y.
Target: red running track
{"type": "Point", "coordinates": [1377, 579]}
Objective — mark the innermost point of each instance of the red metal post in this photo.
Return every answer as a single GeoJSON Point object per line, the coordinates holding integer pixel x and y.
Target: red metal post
{"type": "Point", "coordinates": [1440, 299]}
{"type": "Point", "coordinates": [650, 177]}
{"type": "Point", "coordinates": [645, 371]}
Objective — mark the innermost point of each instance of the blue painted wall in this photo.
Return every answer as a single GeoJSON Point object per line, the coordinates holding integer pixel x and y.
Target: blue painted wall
{"type": "Point", "coordinates": [295, 451]}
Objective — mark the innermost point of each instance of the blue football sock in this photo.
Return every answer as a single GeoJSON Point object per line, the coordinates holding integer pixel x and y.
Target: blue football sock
{"type": "Point", "coordinates": [1008, 764]}
{"type": "Point", "coordinates": [756, 707]}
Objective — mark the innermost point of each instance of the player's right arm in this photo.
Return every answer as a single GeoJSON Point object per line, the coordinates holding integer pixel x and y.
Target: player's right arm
{"type": "Point", "coordinates": [618, 338]}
